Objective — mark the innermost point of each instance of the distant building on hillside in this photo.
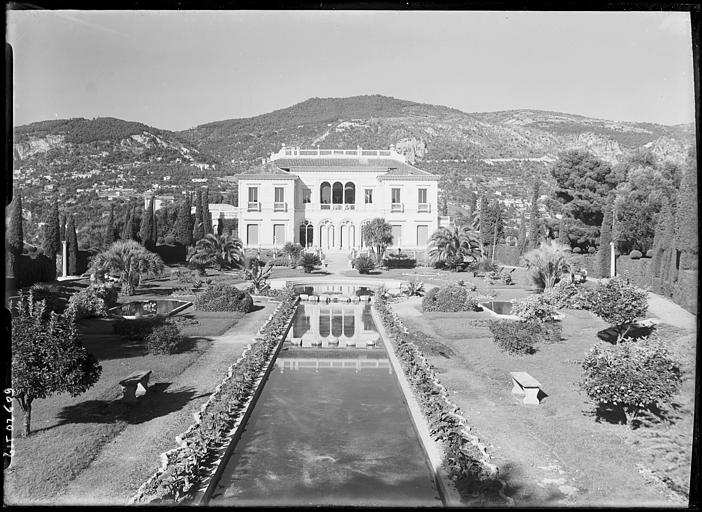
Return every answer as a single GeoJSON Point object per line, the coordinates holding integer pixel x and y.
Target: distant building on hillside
{"type": "Point", "coordinates": [159, 200]}
{"type": "Point", "coordinates": [323, 198]}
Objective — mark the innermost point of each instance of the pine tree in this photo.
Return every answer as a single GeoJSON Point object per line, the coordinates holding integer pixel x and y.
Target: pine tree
{"type": "Point", "coordinates": [15, 238]}
{"type": "Point", "coordinates": [109, 237]}
{"type": "Point", "coordinates": [72, 246]}
{"type": "Point", "coordinates": [534, 218]}
{"type": "Point", "coordinates": [146, 232]}
{"type": "Point", "coordinates": [183, 230]}
{"type": "Point", "coordinates": [198, 229]}
{"type": "Point", "coordinates": [604, 255]}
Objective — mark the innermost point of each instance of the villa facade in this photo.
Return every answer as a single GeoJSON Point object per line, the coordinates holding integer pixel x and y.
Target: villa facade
{"type": "Point", "coordinates": [322, 198]}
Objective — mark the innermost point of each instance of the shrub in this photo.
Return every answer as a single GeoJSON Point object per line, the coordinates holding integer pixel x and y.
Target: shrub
{"type": "Point", "coordinates": [568, 295]}
{"type": "Point", "coordinates": [308, 262]}
{"type": "Point", "coordinates": [514, 336]}
{"type": "Point", "coordinates": [169, 240]}
{"type": "Point", "coordinates": [138, 328]}
{"type": "Point", "coordinates": [364, 264]}
{"type": "Point", "coordinates": [591, 250]}
{"type": "Point", "coordinates": [577, 250]}
{"type": "Point", "coordinates": [93, 301]}
{"type": "Point", "coordinates": [222, 297]}
{"type": "Point", "coordinates": [619, 304]}
{"type": "Point", "coordinates": [631, 376]}
{"type": "Point", "coordinates": [649, 253]}
{"type": "Point", "coordinates": [450, 298]}
{"type": "Point", "coordinates": [165, 339]}
{"type": "Point", "coordinates": [279, 261]}
{"type": "Point", "coordinates": [534, 308]}
{"type": "Point", "coordinates": [635, 255]}
{"type": "Point", "coordinates": [399, 260]}
{"type": "Point", "coordinates": [48, 293]}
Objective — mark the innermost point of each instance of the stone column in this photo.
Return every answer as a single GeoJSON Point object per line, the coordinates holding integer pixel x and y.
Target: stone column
{"type": "Point", "coordinates": [612, 260]}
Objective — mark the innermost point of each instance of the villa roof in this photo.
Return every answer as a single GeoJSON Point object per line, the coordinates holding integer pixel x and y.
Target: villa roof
{"type": "Point", "coordinates": [392, 167]}
{"type": "Point", "coordinates": [269, 170]}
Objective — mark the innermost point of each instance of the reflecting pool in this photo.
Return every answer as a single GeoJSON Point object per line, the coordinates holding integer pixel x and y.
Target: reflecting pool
{"type": "Point", "coordinates": [138, 309]}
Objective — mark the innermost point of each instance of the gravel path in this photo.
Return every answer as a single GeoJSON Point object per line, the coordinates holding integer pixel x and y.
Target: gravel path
{"type": "Point", "coordinates": [133, 456]}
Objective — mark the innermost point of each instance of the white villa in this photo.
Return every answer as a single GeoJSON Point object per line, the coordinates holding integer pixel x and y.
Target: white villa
{"type": "Point", "coordinates": [321, 198]}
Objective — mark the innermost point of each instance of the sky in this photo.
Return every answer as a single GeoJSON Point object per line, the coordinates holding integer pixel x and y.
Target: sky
{"type": "Point", "coordinates": [175, 70]}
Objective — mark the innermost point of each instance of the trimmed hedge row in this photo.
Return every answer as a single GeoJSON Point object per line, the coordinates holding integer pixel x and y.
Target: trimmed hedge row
{"type": "Point", "coordinates": [519, 337]}
{"type": "Point", "coordinates": [465, 459]}
{"type": "Point", "coordinates": [184, 468]}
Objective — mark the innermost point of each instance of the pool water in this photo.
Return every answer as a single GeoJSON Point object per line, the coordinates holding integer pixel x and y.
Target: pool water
{"type": "Point", "coordinates": [499, 307]}
{"type": "Point", "coordinates": [331, 427]}
{"type": "Point", "coordinates": [137, 309]}
{"type": "Point", "coordinates": [336, 324]}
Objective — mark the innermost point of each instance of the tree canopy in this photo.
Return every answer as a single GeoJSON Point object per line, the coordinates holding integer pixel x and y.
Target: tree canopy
{"type": "Point", "coordinates": [378, 235]}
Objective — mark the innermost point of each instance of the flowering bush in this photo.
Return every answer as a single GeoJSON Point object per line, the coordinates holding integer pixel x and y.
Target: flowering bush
{"type": "Point", "coordinates": [619, 304]}
{"type": "Point", "coordinates": [93, 301]}
{"type": "Point", "coordinates": [534, 308]}
{"type": "Point", "coordinates": [223, 297]}
{"type": "Point", "coordinates": [631, 376]}
{"type": "Point", "coordinates": [568, 295]}
{"type": "Point", "coordinates": [450, 298]}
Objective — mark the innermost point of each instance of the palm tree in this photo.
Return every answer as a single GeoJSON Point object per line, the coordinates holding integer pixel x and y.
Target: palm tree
{"type": "Point", "coordinates": [547, 263]}
{"type": "Point", "coordinates": [292, 251]}
{"type": "Point", "coordinates": [130, 260]}
{"type": "Point", "coordinates": [450, 247]}
{"type": "Point", "coordinates": [219, 251]}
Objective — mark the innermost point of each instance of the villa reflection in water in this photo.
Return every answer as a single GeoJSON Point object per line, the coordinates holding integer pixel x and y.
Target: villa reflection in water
{"type": "Point", "coordinates": [334, 324]}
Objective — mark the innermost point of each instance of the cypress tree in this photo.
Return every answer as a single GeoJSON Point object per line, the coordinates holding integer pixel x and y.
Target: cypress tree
{"type": "Point", "coordinates": [521, 238]}
{"type": "Point", "coordinates": [62, 227]}
{"type": "Point", "coordinates": [146, 232]}
{"type": "Point", "coordinates": [72, 246]}
{"type": "Point", "coordinates": [686, 221]}
{"type": "Point", "coordinates": [15, 238]}
{"type": "Point", "coordinates": [603, 255]}
{"type": "Point", "coordinates": [534, 218]}
{"type": "Point", "coordinates": [659, 238]}
{"type": "Point", "coordinates": [52, 237]}
{"type": "Point", "coordinates": [563, 232]}
{"type": "Point", "coordinates": [206, 214]}
{"type": "Point", "coordinates": [199, 228]}
{"type": "Point", "coordinates": [128, 228]}
{"type": "Point", "coordinates": [109, 237]}
{"type": "Point", "coordinates": [183, 229]}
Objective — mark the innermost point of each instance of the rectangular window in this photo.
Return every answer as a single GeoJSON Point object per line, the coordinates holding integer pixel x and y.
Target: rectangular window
{"type": "Point", "coordinates": [279, 195]}
{"type": "Point", "coordinates": [252, 234]}
{"type": "Point", "coordinates": [279, 234]}
{"type": "Point", "coordinates": [306, 195]}
{"type": "Point", "coordinates": [422, 236]}
{"type": "Point", "coordinates": [369, 195]}
{"type": "Point", "coordinates": [422, 196]}
{"type": "Point", "coordinates": [396, 235]}
{"type": "Point", "coordinates": [395, 192]}
{"type": "Point", "coordinates": [253, 194]}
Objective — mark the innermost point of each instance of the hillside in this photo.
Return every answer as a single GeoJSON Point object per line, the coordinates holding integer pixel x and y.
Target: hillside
{"type": "Point", "coordinates": [428, 132]}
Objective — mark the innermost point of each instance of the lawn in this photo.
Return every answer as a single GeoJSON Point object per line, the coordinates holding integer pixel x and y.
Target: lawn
{"type": "Point", "coordinates": [560, 452]}
{"type": "Point", "coordinates": [68, 433]}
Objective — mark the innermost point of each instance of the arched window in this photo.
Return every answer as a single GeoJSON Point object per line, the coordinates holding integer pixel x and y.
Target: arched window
{"type": "Point", "coordinates": [306, 234]}
{"type": "Point", "coordinates": [350, 193]}
{"type": "Point", "coordinates": [337, 193]}
{"type": "Point", "coordinates": [325, 193]}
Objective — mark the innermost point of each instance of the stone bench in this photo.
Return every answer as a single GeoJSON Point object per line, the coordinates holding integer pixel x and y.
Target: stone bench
{"type": "Point", "coordinates": [130, 384]}
{"type": "Point", "coordinates": [525, 384]}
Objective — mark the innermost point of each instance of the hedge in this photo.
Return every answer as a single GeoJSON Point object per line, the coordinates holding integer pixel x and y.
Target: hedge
{"type": "Point", "coordinates": [223, 297]}
{"type": "Point", "coordinates": [450, 298]}
{"type": "Point", "coordinates": [171, 254]}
